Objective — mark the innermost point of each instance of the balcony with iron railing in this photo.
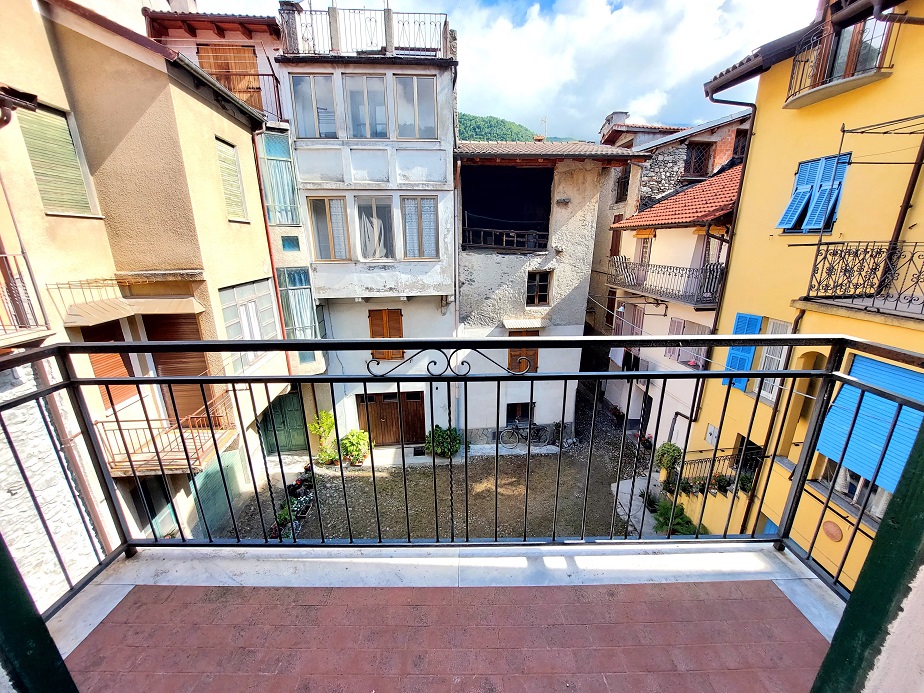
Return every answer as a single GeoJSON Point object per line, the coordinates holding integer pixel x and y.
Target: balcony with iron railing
{"type": "Point", "coordinates": [258, 90]}
{"type": "Point", "coordinates": [829, 62]}
{"type": "Point", "coordinates": [876, 276]}
{"type": "Point", "coordinates": [22, 316]}
{"type": "Point", "coordinates": [696, 286]}
{"type": "Point", "coordinates": [365, 33]}
{"type": "Point", "coordinates": [294, 521]}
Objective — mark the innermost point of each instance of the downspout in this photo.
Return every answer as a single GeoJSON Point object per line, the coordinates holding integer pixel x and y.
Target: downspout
{"type": "Point", "coordinates": [894, 18]}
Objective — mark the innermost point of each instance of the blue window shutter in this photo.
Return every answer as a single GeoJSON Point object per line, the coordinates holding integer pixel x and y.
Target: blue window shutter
{"type": "Point", "coordinates": [806, 178]}
{"type": "Point", "coordinates": [740, 358]}
{"type": "Point", "coordinates": [827, 192]}
{"type": "Point", "coordinates": [872, 425]}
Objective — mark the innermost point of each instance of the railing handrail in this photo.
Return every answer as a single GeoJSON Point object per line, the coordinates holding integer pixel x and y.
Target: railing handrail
{"type": "Point", "coordinates": [696, 285]}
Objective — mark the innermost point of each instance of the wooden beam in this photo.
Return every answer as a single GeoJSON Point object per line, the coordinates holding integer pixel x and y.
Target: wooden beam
{"type": "Point", "coordinates": [245, 31]}
{"type": "Point", "coordinates": [219, 32]}
{"type": "Point", "coordinates": [274, 31]}
{"type": "Point", "coordinates": [189, 28]}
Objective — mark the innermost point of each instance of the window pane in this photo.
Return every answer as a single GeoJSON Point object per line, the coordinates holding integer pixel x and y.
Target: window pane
{"type": "Point", "coordinates": [426, 107]}
{"type": "Point", "coordinates": [324, 97]}
{"type": "Point", "coordinates": [279, 188]}
{"type": "Point", "coordinates": [290, 243]}
{"type": "Point", "coordinates": [411, 227]}
{"type": "Point", "coordinates": [321, 230]}
{"type": "Point", "coordinates": [339, 229]}
{"type": "Point", "coordinates": [429, 223]}
{"type": "Point", "coordinates": [840, 56]}
{"type": "Point", "coordinates": [404, 93]}
{"type": "Point", "coordinates": [870, 46]}
{"type": "Point", "coordinates": [375, 227]}
{"type": "Point", "coordinates": [378, 118]}
{"type": "Point", "coordinates": [356, 105]}
{"type": "Point", "coordinates": [386, 221]}
{"type": "Point", "coordinates": [304, 107]}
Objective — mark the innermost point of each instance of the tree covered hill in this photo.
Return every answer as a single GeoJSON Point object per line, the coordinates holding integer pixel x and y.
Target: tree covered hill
{"type": "Point", "coordinates": [492, 129]}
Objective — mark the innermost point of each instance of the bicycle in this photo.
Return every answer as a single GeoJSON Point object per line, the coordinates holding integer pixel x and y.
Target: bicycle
{"type": "Point", "coordinates": [536, 434]}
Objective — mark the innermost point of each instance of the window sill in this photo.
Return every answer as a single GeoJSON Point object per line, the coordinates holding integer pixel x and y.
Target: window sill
{"type": "Point", "coordinates": [239, 221]}
{"type": "Point", "coordinates": [808, 232]}
{"type": "Point", "coordinates": [74, 215]}
{"type": "Point", "coordinates": [826, 91]}
{"type": "Point", "coordinates": [420, 259]}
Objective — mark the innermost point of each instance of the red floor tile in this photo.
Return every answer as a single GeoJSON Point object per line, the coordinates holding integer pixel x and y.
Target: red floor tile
{"type": "Point", "coordinates": [693, 637]}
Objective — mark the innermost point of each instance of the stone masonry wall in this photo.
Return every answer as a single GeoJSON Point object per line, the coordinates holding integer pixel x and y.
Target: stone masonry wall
{"type": "Point", "coordinates": [661, 173]}
{"type": "Point", "coordinates": [20, 525]}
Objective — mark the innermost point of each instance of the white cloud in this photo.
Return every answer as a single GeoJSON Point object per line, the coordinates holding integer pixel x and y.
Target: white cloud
{"type": "Point", "coordinates": [575, 61]}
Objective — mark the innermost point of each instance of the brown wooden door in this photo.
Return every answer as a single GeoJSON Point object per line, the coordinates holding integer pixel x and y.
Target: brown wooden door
{"type": "Point", "coordinates": [172, 328]}
{"type": "Point", "coordinates": [383, 412]}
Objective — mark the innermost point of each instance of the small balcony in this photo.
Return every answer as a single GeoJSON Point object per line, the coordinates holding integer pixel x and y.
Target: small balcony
{"type": "Point", "coordinates": [510, 241]}
{"type": "Point", "coordinates": [365, 33]}
{"type": "Point", "coordinates": [696, 286]}
{"type": "Point", "coordinates": [22, 318]}
{"type": "Point", "coordinates": [830, 62]}
{"type": "Point", "coordinates": [876, 276]}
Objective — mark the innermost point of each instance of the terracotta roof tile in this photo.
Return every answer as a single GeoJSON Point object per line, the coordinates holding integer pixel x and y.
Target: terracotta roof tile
{"type": "Point", "coordinates": [698, 204]}
{"type": "Point", "coordinates": [542, 150]}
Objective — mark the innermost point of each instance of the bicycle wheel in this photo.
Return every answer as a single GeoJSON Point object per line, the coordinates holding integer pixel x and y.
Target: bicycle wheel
{"type": "Point", "coordinates": [540, 436]}
{"type": "Point", "coordinates": [509, 438]}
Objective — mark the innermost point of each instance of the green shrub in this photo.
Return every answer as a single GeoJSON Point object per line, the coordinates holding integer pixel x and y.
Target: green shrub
{"type": "Point", "coordinates": [686, 486]}
{"type": "Point", "coordinates": [682, 522]}
{"type": "Point", "coordinates": [283, 517]}
{"type": "Point", "coordinates": [326, 455]}
{"type": "Point", "coordinates": [668, 487]}
{"type": "Point", "coordinates": [354, 446]}
{"type": "Point", "coordinates": [446, 441]}
{"type": "Point", "coordinates": [651, 500]}
{"type": "Point", "coordinates": [745, 482]}
{"type": "Point", "coordinates": [668, 456]}
{"type": "Point", "coordinates": [723, 482]}
{"type": "Point", "coordinates": [322, 426]}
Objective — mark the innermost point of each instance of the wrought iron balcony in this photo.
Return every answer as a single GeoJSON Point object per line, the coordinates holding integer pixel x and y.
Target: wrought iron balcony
{"type": "Point", "coordinates": [696, 286]}
{"type": "Point", "coordinates": [509, 241]}
{"type": "Point", "coordinates": [365, 33]}
{"type": "Point", "coordinates": [20, 309]}
{"type": "Point", "coordinates": [827, 57]}
{"type": "Point", "coordinates": [871, 275]}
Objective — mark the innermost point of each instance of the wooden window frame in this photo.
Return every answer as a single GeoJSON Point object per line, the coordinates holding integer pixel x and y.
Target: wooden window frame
{"type": "Point", "coordinates": [314, 109]}
{"type": "Point", "coordinates": [531, 354]}
{"type": "Point", "coordinates": [375, 215]}
{"type": "Point", "coordinates": [609, 314]}
{"type": "Point", "coordinates": [387, 354]}
{"type": "Point", "coordinates": [330, 230]}
{"type": "Point", "coordinates": [420, 236]}
{"type": "Point", "coordinates": [536, 303]}
{"type": "Point", "coordinates": [349, 123]}
{"type": "Point", "coordinates": [436, 110]}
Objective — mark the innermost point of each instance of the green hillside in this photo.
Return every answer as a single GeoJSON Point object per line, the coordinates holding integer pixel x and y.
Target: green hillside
{"type": "Point", "coordinates": [490, 128]}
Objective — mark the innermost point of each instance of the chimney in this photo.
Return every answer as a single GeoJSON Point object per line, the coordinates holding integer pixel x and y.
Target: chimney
{"type": "Point", "coordinates": [538, 138]}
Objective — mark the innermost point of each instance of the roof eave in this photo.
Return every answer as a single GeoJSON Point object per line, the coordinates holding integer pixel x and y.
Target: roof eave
{"type": "Point", "coordinates": [256, 117]}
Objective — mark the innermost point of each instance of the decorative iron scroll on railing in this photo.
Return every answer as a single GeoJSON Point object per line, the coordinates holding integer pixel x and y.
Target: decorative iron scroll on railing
{"type": "Point", "coordinates": [698, 286]}
{"type": "Point", "coordinates": [872, 275]}
{"type": "Point", "coordinates": [445, 364]}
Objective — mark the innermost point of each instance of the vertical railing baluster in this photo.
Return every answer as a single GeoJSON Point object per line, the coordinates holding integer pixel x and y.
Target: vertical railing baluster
{"type": "Point", "coordinates": [160, 464]}
{"type": "Point", "coordinates": [529, 446]}
{"type": "Point", "coordinates": [651, 459]}
{"type": "Point", "coordinates": [465, 452]}
{"type": "Point", "coordinates": [561, 446]}
{"type": "Point", "coordinates": [638, 450]}
{"type": "Point", "coordinates": [314, 479]}
{"type": "Point", "coordinates": [622, 451]}
{"type": "Point", "coordinates": [436, 510]}
{"type": "Point", "coordinates": [253, 476]}
{"type": "Point", "coordinates": [346, 502]}
{"type": "Point", "coordinates": [699, 383]}
{"type": "Point", "coordinates": [744, 446]}
{"type": "Point", "coordinates": [192, 476]}
{"type": "Point", "coordinates": [407, 507]}
{"type": "Point", "coordinates": [715, 452]}
{"type": "Point", "coordinates": [497, 456]}
{"type": "Point", "coordinates": [35, 502]}
{"type": "Point", "coordinates": [375, 490]}
{"type": "Point", "coordinates": [269, 480]}
{"type": "Point", "coordinates": [221, 469]}
{"type": "Point", "coordinates": [67, 478]}
{"type": "Point", "coordinates": [590, 457]}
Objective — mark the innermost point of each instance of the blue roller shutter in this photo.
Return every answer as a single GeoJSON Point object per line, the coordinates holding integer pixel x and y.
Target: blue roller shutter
{"type": "Point", "coordinates": [872, 425]}
{"type": "Point", "coordinates": [740, 358]}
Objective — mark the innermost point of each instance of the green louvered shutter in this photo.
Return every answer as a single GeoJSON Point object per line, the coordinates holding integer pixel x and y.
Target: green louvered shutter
{"type": "Point", "coordinates": [54, 162]}
{"type": "Point", "coordinates": [231, 180]}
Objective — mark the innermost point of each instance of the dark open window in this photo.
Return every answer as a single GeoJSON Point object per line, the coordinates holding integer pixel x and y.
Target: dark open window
{"type": "Point", "coordinates": [520, 412]}
{"type": "Point", "coordinates": [741, 141]}
{"type": "Point", "coordinates": [537, 288]}
{"type": "Point", "coordinates": [621, 185]}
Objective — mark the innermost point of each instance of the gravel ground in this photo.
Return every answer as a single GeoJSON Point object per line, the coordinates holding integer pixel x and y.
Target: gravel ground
{"type": "Point", "coordinates": [447, 517]}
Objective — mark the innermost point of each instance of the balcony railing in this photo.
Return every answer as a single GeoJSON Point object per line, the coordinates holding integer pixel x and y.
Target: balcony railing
{"type": "Point", "coordinates": [872, 275]}
{"type": "Point", "coordinates": [20, 309]}
{"type": "Point", "coordinates": [365, 33]}
{"type": "Point", "coordinates": [826, 57]}
{"type": "Point", "coordinates": [511, 241]}
{"type": "Point", "coordinates": [258, 90]}
{"type": "Point", "coordinates": [696, 286]}
{"type": "Point", "coordinates": [557, 492]}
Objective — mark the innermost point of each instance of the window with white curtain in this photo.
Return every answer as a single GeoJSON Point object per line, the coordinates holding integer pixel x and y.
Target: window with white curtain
{"type": "Point", "coordinates": [249, 313]}
{"type": "Point", "coordinates": [421, 227]}
{"type": "Point", "coordinates": [366, 112]}
{"type": "Point", "coordinates": [329, 228]}
{"type": "Point", "coordinates": [375, 227]}
{"type": "Point", "coordinates": [771, 359]}
{"type": "Point", "coordinates": [298, 310]}
{"type": "Point", "coordinates": [278, 180]}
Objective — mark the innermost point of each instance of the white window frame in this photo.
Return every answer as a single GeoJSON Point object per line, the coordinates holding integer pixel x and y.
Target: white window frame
{"type": "Point", "coordinates": [772, 358]}
{"type": "Point", "coordinates": [240, 181]}
{"type": "Point", "coordinates": [314, 109]}
{"type": "Point", "coordinates": [248, 315]}
{"type": "Point", "coordinates": [346, 105]}
{"type": "Point", "coordinates": [330, 230]}
{"type": "Point", "coordinates": [436, 110]}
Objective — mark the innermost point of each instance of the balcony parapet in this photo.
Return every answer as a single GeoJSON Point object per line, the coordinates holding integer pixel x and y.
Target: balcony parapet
{"type": "Point", "coordinates": [696, 286]}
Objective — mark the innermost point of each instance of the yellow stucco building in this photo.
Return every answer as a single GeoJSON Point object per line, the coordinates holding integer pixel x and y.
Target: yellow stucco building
{"type": "Point", "coordinates": [822, 245]}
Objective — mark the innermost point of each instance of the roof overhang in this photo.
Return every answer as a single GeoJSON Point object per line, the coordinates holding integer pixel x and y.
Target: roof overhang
{"type": "Point", "coordinates": [106, 309]}
{"type": "Point", "coordinates": [329, 58]}
{"type": "Point", "coordinates": [159, 23]}
{"type": "Point", "coordinates": [526, 323]}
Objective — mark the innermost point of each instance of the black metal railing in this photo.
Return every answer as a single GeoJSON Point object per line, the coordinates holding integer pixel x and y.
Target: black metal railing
{"type": "Point", "coordinates": [513, 241]}
{"type": "Point", "coordinates": [872, 275]}
{"type": "Point", "coordinates": [828, 56]}
{"type": "Point", "coordinates": [365, 33]}
{"type": "Point", "coordinates": [696, 286]}
{"type": "Point", "coordinates": [20, 309]}
{"type": "Point", "coordinates": [367, 473]}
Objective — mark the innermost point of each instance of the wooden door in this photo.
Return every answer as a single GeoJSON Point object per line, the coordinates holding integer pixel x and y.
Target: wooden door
{"type": "Point", "coordinates": [412, 413]}
{"type": "Point", "coordinates": [382, 419]}
{"type": "Point", "coordinates": [289, 423]}
{"type": "Point", "coordinates": [173, 328]}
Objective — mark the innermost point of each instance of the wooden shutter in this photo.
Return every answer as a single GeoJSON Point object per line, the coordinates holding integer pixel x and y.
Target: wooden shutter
{"type": "Point", "coordinates": [383, 324]}
{"type": "Point", "coordinates": [675, 328]}
{"type": "Point", "coordinates": [110, 365]}
{"type": "Point", "coordinates": [54, 161]}
{"type": "Point", "coordinates": [174, 328]}
{"type": "Point", "coordinates": [395, 327]}
{"type": "Point", "coordinates": [231, 180]}
{"type": "Point", "coordinates": [530, 353]}
{"type": "Point", "coordinates": [235, 67]}
{"type": "Point", "coordinates": [615, 241]}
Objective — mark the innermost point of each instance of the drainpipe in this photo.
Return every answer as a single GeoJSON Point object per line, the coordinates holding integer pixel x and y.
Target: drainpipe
{"type": "Point", "coordinates": [894, 18]}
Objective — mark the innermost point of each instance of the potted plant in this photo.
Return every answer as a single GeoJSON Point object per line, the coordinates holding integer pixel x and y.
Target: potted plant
{"type": "Point", "coordinates": [647, 442]}
{"type": "Point", "coordinates": [667, 457]}
{"type": "Point", "coordinates": [745, 482]}
{"type": "Point", "coordinates": [445, 441]}
{"type": "Point", "coordinates": [354, 447]}
{"type": "Point", "coordinates": [301, 506]}
{"type": "Point", "coordinates": [722, 482]}
{"type": "Point", "coordinates": [326, 455]}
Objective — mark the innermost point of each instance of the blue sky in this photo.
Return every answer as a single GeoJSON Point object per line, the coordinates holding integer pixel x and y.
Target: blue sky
{"type": "Point", "coordinates": [572, 62]}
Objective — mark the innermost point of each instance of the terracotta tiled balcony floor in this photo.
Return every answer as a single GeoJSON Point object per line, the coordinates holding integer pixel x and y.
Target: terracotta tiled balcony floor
{"type": "Point", "coordinates": [697, 637]}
